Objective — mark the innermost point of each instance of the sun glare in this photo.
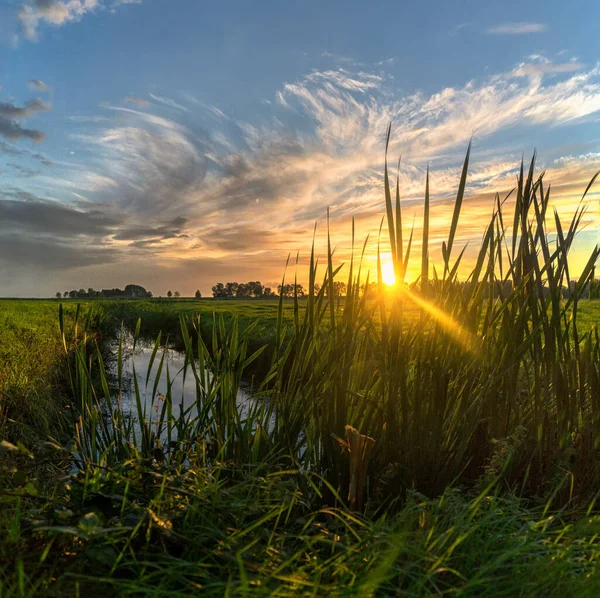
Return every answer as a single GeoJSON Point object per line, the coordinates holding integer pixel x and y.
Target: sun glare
{"type": "Point", "coordinates": [387, 273]}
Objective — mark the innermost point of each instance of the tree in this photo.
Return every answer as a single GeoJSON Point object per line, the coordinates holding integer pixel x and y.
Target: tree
{"type": "Point", "coordinates": [219, 290]}
{"type": "Point", "coordinates": [66, 294]}
{"type": "Point", "coordinates": [242, 291]}
{"type": "Point", "coordinates": [58, 295]}
{"type": "Point", "coordinates": [169, 294]}
{"type": "Point", "coordinates": [198, 294]}
{"type": "Point", "coordinates": [288, 290]}
{"type": "Point", "coordinates": [177, 294]}
{"type": "Point", "coordinates": [231, 289]}
{"type": "Point", "coordinates": [255, 288]}
{"type": "Point", "coordinates": [339, 288]}
{"type": "Point", "coordinates": [135, 290]}
{"type": "Point", "coordinates": [370, 290]}
{"type": "Point", "coordinates": [267, 292]}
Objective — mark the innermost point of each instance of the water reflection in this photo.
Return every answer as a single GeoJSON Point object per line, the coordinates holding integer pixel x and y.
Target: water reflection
{"type": "Point", "coordinates": [183, 391]}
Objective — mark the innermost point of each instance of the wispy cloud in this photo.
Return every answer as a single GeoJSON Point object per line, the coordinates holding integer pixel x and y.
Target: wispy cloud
{"type": "Point", "coordinates": [545, 67]}
{"type": "Point", "coordinates": [516, 28]}
{"type": "Point", "coordinates": [195, 194]}
{"type": "Point", "coordinates": [458, 28]}
{"type": "Point", "coordinates": [136, 100]}
{"type": "Point", "coordinates": [169, 102]}
{"type": "Point", "coordinates": [39, 85]}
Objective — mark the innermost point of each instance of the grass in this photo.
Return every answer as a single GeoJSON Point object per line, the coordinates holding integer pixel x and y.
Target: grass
{"type": "Point", "coordinates": [33, 377]}
{"type": "Point", "coordinates": [439, 440]}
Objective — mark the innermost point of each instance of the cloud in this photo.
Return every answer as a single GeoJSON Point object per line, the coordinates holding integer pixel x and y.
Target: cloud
{"type": "Point", "coordinates": [516, 28]}
{"type": "Point", "coordinates": [545, 67]}
{"type": "Point", "coordinates": [32, 216]}
{"type": "Point", "coordinates": [39, 85]}
{"type": "Point", "coordinates": [458, 28]}
{"type": "Point", "coordinates": [56, 13]}
{"type": "Point", "coordinates": [174, 192]}
{"type": "Point", "coordinates": [10, 114]}
{"type": "Point", "coordinates": [247, 174]}
{"type": "Point", "coordinates": [8, 148]}
{"type": "Point", "coordinates": [10, 110]}
{"type": "Point", "coordinates": [154, 165]}
{"type": "Point", "coordinates": [136, 100]}
{"type": "Point", "coordinates": [22, 171]}
{"type": "Point", "coordinates": [42, 255]}
{"type": "Point", "coordinates": [169, 102]}
{"type": "Point", "coordinates": [13, 130]}
{"type": "Point", "coordinates": [169, 230]}
{"type": "Point", "coordinates": [52, 12]}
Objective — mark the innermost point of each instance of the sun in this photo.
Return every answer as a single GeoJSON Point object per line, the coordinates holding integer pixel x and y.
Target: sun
{"type": "Point", "coordinates": [387, 273]}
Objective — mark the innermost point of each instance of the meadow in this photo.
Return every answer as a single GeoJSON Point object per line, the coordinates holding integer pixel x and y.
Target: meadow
{"type": "Point", "coordinates": [442, 439]}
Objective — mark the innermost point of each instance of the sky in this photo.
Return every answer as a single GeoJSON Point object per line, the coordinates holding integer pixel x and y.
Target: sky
{"type": "Point", "coordinates": [178, 143]}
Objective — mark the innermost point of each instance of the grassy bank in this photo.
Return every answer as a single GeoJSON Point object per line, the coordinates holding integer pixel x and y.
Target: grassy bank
{"type": "Point", "coordinates": [33, 370]}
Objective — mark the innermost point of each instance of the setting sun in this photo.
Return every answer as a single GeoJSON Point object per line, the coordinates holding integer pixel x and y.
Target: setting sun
{"type": "Point", "coordinates": [387, 273]}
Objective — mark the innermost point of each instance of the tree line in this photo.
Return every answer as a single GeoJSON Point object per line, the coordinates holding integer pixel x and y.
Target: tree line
{"type": "Point", "coordinates": [256, 290]}
{"type": "Point", "coordinates": [244, 290]}
{"type": "Point", "coordinates": [133, 291]}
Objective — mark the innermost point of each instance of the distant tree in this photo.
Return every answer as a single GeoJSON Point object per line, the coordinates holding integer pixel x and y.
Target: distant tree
{"type": "Point", "coordinates": [288, 290]}
{"type": "Point", "coordinates": [267, 292]}
{"type": "Point", "coordinates": [135, 290]}
{"type": "Point", "coordinates": [198, 294]}
{"type": "Point", "coordinates": [169, 294]}
{"type": "Point", "coordinates": [231, 289]}
{"type": "Point", "coordinates": [81, 293]}
{"type": "Point", "coordinates": [149, 294]}
{"type": "Point", "coordinates": [58, 295]}
{"type": "Point", "coordinates": [66, 294]}
{"type": "Point", "coordinates": [218, 290]}
{"type": "Point", "coordinates": [339, 288]}
{"type": "Point", "coordinates": [177, 294]}
{"type": "Point", "coordinates": [256, 288]}
{"type": "Point", "coordinates": [242, 291]}
{"type": "Point", "coordinates": [370, 290]}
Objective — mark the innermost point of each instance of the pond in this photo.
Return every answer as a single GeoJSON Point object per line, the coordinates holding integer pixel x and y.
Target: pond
{"type": "Point", "coordinates": [183, 388]}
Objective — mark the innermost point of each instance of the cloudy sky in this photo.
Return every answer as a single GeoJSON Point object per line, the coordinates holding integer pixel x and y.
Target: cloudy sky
{"type": "Point", "coordinates": [177, 143]}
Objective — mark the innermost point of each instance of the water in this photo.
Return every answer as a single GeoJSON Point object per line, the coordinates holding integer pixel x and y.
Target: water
{"type": "Point", "coordinates": [183, 392]}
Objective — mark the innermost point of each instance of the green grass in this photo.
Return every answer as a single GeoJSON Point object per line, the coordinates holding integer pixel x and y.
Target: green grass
{"type": "Point", "coordinates": [32, 370]}
{"type": "Point", "coordinates": [438, 440]}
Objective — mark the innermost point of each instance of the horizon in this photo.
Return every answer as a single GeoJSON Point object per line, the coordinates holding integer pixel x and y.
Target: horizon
{"type": "Point", "coordinates": [200, 144]}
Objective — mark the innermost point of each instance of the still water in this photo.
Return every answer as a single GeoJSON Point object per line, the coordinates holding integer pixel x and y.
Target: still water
{"type": "Point", "coordinates": [183, 392]}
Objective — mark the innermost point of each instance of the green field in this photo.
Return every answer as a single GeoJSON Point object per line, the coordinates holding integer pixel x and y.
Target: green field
{"type": "Point", "coordinates": [442, 439]}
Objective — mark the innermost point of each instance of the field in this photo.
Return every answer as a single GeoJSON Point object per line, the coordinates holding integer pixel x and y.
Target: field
{"type": "Point", "coordinates": [442, 439]}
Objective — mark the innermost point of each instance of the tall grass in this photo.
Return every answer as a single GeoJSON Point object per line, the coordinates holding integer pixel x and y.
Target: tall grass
{"type": "Point", "coordinates": [486, 383]}
{"type": "Point", "coordinates": [491, 375]}
{"type": "Point", "coordinates": [493, 367]}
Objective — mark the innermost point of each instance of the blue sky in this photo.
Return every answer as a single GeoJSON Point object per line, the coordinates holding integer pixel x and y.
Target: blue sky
{"type": "Point", "coordinates": [175, 143]}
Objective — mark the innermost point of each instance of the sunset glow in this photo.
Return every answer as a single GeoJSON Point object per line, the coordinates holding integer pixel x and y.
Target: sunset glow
{"type": "Point", "coordinates": [387, 273]}
{"type": "Point", "coordinates": [210, 158]}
